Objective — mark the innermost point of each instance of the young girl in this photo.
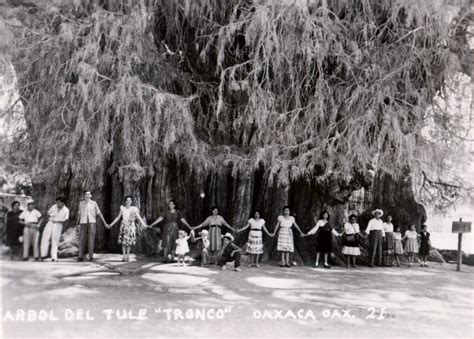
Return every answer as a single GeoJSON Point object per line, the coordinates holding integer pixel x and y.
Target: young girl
{"type": "Point", "coordinates": [127, 235]}
{"type": "Point", "coordinates": [255, 241]}
{"type": "Point", "coordinates": [182, 246]}
{"type": "Point", "coordinates": [425, 245]}
{"type": "Point", "coordinates": [411, 246]}
{"type": "Point", "coordinates": [285, 236]}
{"type": "Point", "coordinates": [398, 247]}
{"type": "Point", "coordinates": [324, 236]}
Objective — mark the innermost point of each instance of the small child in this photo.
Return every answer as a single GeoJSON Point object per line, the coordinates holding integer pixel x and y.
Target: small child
{"type": "Point", "coordinates": [203, 246]}
{"type": "Point", "coordinates": [182, 246]}
{"type": "Point", "coordinates": [425, 245]}
{"type": "Point", "coordinates": [398, 247]}
{"type": "Point", "coordinates": [411, 246]}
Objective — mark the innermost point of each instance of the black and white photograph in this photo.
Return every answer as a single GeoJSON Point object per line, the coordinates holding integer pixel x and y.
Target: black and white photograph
{"type": "Point", "coordinates": [236, 168]}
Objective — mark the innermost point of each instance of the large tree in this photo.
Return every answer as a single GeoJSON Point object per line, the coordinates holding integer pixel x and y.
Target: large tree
{"type": "Point", "coordinates": [257, 104]}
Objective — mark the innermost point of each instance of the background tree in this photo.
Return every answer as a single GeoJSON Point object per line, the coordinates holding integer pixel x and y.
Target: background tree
{"type": "Point", "coordinates": [255, 103]}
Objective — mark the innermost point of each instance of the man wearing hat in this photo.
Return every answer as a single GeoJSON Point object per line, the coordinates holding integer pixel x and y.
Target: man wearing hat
{"type": "Point", "coordinates": [31, 219]}
{"type": "Point", "coordinates": [203, 246]}
{"type": "Point", "coordinates": [375, 230]}
{"type": "Point", "coordinates": [230, 252]}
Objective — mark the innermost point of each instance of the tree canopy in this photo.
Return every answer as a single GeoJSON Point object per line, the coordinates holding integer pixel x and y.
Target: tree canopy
{"type": "Point", "coordinates": [312, 89]}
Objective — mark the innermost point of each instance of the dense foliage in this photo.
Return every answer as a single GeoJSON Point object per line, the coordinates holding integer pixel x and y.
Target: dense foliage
{"type": "Point", "coordinates": [325, 90]}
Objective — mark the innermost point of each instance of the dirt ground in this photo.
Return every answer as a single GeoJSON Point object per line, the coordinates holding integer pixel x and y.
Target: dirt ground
{"type": "Point", "coordinates": [149, 299]}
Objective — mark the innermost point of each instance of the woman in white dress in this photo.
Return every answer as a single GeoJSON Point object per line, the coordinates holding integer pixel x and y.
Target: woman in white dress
{"type": "Point", "coordinates": [285, 236]}
{"type": "Point", "coordinates": [255, 241]}
{"type": "Point", "coordinates": [127, 235]}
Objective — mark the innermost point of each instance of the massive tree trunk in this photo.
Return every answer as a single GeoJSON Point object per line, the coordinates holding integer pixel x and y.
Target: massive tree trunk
{"type": "Point", "coordinates": [237, 197]}
{"type": "Point", "coordinates": [255, 104]}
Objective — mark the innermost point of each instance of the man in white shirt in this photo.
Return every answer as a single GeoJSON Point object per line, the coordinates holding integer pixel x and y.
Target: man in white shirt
{"type": "Point", "coordinates": [375, 230]}
{"type": "Point", "coordinates": [87, 218]}
{"type": "Point", "coordinates": [31, 219]}
{"type": "Point", "coordinates": [58, 215]}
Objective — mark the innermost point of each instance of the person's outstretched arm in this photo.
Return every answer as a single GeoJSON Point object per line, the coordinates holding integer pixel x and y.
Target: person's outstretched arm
{"type": "Point", "coordinates": [160, 219]}
{"type": "Point", "coordinates": [99, 213]}
{"type": "Point", "coordinates": [116, 219]}
{"type": "Point", "coordinates": [244, 228]}
{"type": "Point", "coordinates": [183, 220]}
{"type": "Point", "coordinates": [204, 223]}
{"type": "Point", "coordinates": [298, 228]}
{"type": "Point", "coordinates": [276, 228]}
{"type": "Point", "coordinates": [227, 225]}
{"type": "Point", "coordinates": [266, 231]}
{"type": "Point", "coordinates": [141, 220]}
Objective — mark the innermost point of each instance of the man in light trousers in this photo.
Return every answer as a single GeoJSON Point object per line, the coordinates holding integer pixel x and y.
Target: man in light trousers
{"type": "Point", "coordinates": [58, 215]}
{"type": "Point", "coordinates": [31, 220]}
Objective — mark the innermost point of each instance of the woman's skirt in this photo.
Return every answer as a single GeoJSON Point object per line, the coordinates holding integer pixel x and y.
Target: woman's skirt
{"type": "Point", "coordinates": [388, 244]}
{"type": "Point", "coordinates": [351, 246]}
{"type": "Point", "coordinates": [14, 231]}
{"type": "Point", "coordinates": [170, 234]}
{"type": "Point", "coordinates": [255, 242]}
{"type": "Point", "coordinates": [127, 235]}
{"type": "Point", "coordinates": [324, 242]}
{"type": "Point", "coordinates": [411, 246]}
{"type": "Point", "coordinates": [215, 238]}
{"type": "Point", "coordinates": [398, 247]}
{"type": "Point", "coordinates": [424, 249]}
{"type": "Point", "coordinates": [285, 240]}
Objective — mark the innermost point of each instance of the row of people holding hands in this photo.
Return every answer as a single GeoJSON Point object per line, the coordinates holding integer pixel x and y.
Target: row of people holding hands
{"type": "Point", "coordinates": [383, 241]}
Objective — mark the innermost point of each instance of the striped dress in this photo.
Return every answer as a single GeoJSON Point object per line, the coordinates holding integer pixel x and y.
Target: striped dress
{"type": "Point", "coordinates": [285, 234]}
{"type": "Point", "coordinates": [255, 241]}
{"type": "Point", "coordinates": [388, 242]}
{"type": "Point", "coordinates": [215, 231]}
{"type": "Point", "coordinates": [215, 237]}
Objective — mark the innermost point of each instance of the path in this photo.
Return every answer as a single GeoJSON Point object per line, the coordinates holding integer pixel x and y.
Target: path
{"type": "Point", "coordinates": [433, 301]}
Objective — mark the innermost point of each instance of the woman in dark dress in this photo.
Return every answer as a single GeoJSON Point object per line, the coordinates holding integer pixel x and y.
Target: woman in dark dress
{"type": "Point", "coordinates": [171, 219]}
{"type": "Point", "coordinates": [14, 229]}
{"type": "Point", "coordinates": [324, 233]}
{"type": "Point", "coordinates": [425, 245]}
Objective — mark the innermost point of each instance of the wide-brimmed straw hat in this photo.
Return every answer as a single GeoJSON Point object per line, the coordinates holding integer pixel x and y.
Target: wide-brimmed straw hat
{"type": "Point", "coordinates": [206, 232]}
{"type": "Point", "coordinates": [229, 236]}
{"type": "Point", "coordinates": [374, 212]}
